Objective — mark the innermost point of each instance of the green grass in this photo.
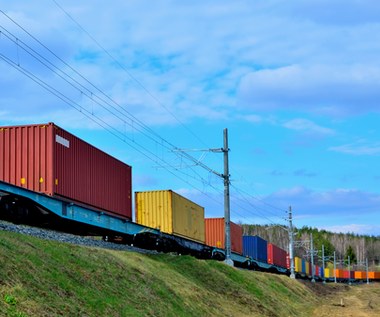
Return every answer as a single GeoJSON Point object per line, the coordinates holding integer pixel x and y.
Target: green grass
{"type": "Point", "coordinates": [48, 278]}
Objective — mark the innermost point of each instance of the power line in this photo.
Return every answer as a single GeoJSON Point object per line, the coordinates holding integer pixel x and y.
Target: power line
{"type": "Point", "coordinates": [92, 117]}
{"type": "Point", "coordinates": [121, 66]}
{"type": "Point", "coordinates": [123, 115]}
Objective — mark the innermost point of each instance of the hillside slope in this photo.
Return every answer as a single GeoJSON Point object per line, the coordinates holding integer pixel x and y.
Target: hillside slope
{"type": "Point", "coordinates": [48, 278]}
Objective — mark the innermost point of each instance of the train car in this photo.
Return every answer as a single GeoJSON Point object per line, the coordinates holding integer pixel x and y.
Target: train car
{"type": "Point", "coordinates": [46, 159]}
{"type": "Point", "coordinates": [171, 213]}
{"type": "Point", "coordinates": [255, 247]}
{"type": "Point", "coordinates": [215, 234]}
{"type": "Point", "coordinates": [276, 255]}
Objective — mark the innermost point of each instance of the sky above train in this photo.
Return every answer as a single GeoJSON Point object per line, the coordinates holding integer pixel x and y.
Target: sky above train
{"type": "Point", "coordinates": [155, 83]}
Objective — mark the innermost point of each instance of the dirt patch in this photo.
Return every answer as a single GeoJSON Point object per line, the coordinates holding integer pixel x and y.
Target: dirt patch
{"type": "Point", "coordinates": [343, 300]}
{"type": "Point", "coordinates": [324, 290]}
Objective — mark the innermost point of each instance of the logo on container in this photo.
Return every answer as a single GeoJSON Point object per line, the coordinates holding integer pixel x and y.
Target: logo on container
{"type": "Point", "coordinates": [62, 141]}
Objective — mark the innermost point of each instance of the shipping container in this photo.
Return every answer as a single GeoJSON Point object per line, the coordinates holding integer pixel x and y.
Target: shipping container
{"type": "Point", "coordinates": [255, 247]}
{"type": "Point", "coordinates": [374, 275]}
{"type": "Point", "coordinates": [298, 264]}
{"type": "Point", "coordinates": [276, 255]}
{"type": "Point", "coordinates": [287, 261]}
{"type": "Point", "coordinates": [316, 270]}
{"type": "Point", "coordinates": [360, 275]}
{"type": "Point", "coordinates": [304, 266]}
{"type": "Point", "coordinates": [339, 273]}
{"type": "Point", "coordinates": [171, 213]}
{"type": "Point", "coordinates": [47, 159]}
{"type": "Point", "coordinates": [215, 234]}
{"type": "Point", "coordinates": [348, 274]}
{"type": "Point", "coordinates": [329, 273]}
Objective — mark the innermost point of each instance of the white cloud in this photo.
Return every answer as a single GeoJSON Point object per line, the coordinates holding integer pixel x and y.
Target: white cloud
{"type": "Point", "coordinates": [362, 147]}
{"type": "Point", "coordinates": [307, 126]}
{"type": "Point", "coordinates": [354, 228]}
{"type": "Point", "coordinates": [324, 89]}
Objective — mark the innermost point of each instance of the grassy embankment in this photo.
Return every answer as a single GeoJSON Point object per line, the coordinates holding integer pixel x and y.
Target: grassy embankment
{"type": "Point", "coordinates": [48, 278]}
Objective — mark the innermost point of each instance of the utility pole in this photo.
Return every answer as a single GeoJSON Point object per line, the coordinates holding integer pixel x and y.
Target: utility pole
{"type": "Point", "coordinates": [226, 179]}
{"type": "Point", "coordinates": [366, 264]}
{"type": "Point", "coordinates": [323, 264]}
{"type": "Point", "coordinates": [291, 244]}
{"type": "Point", "coordinates": [349, 271]}
{"type": "Point", "coordinates": [334, 267]}
{"type": "Point", "coordinates": [312, 258]}
{"type": "Point", "coordinates": [227, 214]}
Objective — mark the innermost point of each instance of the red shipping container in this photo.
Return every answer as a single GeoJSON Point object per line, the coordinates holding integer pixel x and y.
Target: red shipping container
{"type": "Point", "coordinates": [47, 159]}
{"type": "Point", "coordinates": [215, 234]}
{"type": "Point", "coordinates": [348, 274]}
{"type": "Point", "coordinates": [316, 272]}
{"type": "Point", "coordinates": [287, 261]}
{"type": "Point", "coordinates": [310, 268]}
{"type": "Point", "coordinates": [276, 255]}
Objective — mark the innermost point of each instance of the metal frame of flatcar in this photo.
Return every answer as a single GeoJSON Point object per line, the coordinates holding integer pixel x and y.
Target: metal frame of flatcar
{"type": "Point", "coordinates": [85, 220]}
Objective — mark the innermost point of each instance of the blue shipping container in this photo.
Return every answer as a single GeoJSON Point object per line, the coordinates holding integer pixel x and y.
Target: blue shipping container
{"type": "Point", "coordinates": [321, 273]}
{"type": "Point", "coordinates": [303, 266]}
{"type": "Point", "coordinates": [255, 247]}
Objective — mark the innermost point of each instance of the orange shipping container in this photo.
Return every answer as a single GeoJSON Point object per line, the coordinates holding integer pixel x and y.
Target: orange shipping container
{"type": "Point", "coordinates": [215, 235]}
{"type": "Point", "coordinates": [338, 273]}
{"type": "Point", "coordinates": [374, 275]}
{"type": "Point", "coordinates": [359, 275]}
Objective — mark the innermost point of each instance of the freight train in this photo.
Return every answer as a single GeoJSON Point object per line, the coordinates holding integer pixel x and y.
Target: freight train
{"type": "Point", "coordinates": [51, 178]}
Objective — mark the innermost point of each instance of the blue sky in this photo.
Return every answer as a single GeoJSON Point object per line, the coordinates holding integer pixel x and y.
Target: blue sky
{"type": "Point", "coordinates": [296, 83]}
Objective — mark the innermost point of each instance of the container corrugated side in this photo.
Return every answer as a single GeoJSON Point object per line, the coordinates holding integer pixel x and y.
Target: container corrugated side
{"type": "Point", "coordinates": [339, 273]}
{"type": "Point", "coordinates": [276, 255]}
{"type": "Point", "coordinates": [255, 247]}
{"type": "Point", "coordinates": [303, 266]}
{"type": "Point", "coordinates": [359, 275]}
{"type": "Point", "coordinates": [348, 274]}
{"type": "Point", "coordinates": [47, 159]}
{"type": "Point", "coordinates": [298, 264]}
{"type": "Point", "coordinates": [316, 270]}
{"type": "Point", "coordinates": [215, 235]}
{"type": "Point", "coordinates": [329, 272]}
{"type": "Point", "coordinates": [308, 268]}
{"type": "Point", "coordinates": [171, 213]}
{"type": "Point", "coordinates": [26, 157]}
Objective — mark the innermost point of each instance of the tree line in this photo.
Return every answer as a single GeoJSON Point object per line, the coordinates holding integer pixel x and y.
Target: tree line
{"type": "Point", "coordinates": [357, 247]}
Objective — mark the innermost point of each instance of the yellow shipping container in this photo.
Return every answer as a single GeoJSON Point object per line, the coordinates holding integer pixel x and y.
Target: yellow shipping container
{"type": "Point", "coordinates": [308, 268]}
{"type": "Point", "coordinates": [329, 272]}
{"type": "Point", "coordinates": [171, 213]}
{"type": "Point", "coordinates": [298, 264]}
